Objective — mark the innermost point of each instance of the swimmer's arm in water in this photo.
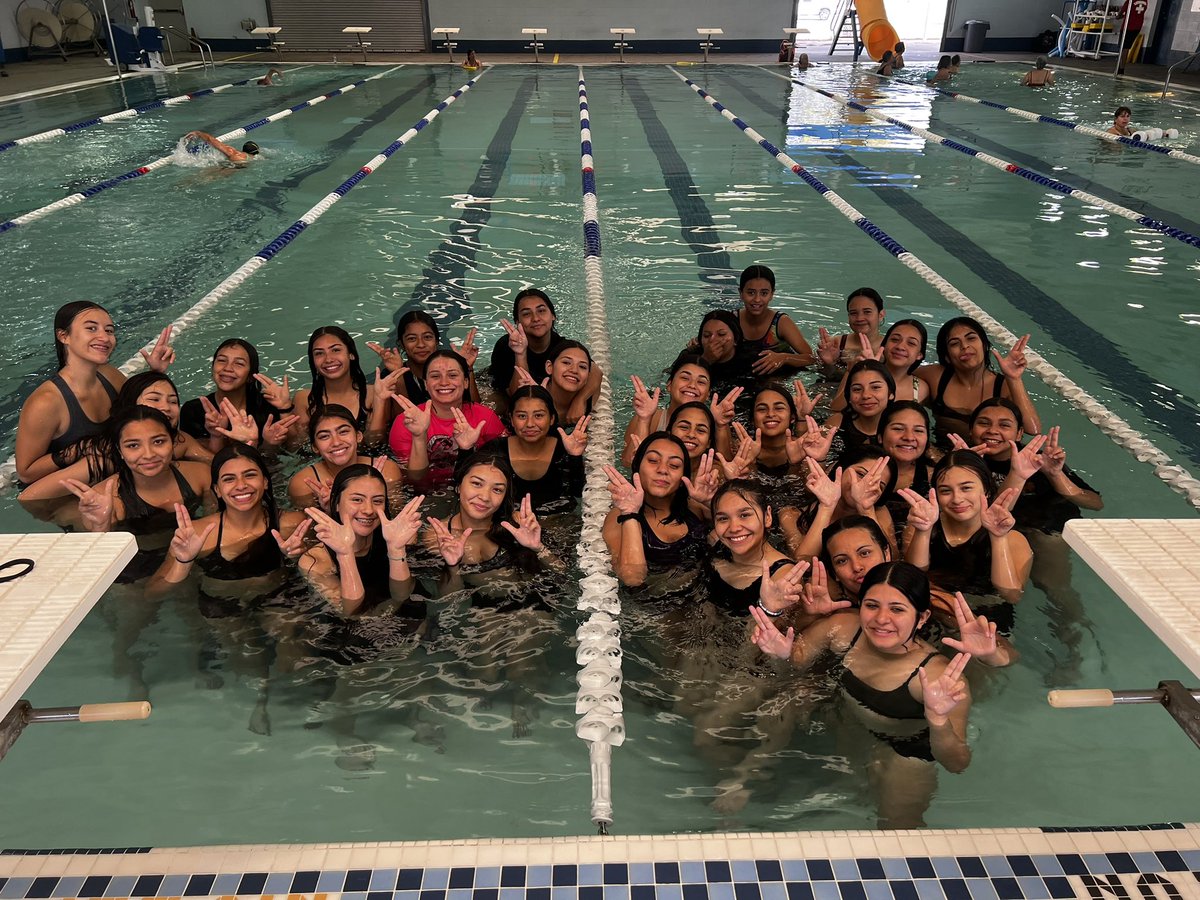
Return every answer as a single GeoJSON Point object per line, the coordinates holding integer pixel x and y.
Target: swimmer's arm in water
{"type": "Point", "coordinates": [802, 354]}
{"type": "Point", "coordinates": [342, 585]}
{"type": "Point", "coordinates": [1054, 467]}
{"type": "Point", "coordinates": [231, 154]}
{"type": "Point", "coordinates": [1011, 556]}
{"type": "Point", "coordinates": [191, 540]}
{"type": "Point", "coordinates": [398, 533]}
{"type": "Point", "coordinates": [1012, 367]}
{"type": "Point", "coordinates": [922, 516]}
{"type": "Point", "coordinates": [624, 539]}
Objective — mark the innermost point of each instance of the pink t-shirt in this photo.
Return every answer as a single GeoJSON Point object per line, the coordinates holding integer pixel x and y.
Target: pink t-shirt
{"type": "Point", "coordinates": [443, 450]}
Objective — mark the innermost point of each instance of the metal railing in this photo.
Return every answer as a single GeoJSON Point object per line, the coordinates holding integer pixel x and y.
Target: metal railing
{"type": "Point", "coordinates": [1171, 71]}
{"type": "Point", "coordinates": [191, 40]}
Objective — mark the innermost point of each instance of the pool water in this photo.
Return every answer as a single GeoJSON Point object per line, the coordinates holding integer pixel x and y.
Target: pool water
{"type": "Point", "coordinates": [482, 203]}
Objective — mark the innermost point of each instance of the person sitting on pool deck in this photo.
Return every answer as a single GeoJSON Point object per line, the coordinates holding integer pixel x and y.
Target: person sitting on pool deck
{"type": "Point", "coordinates": [1120, 125]}
{"type": "Point", "coordinates": [237, 157]}
{"type": "Point", "coordinates": [1040, 76]}
{"type": "Point", "coordinates": [266, 80]}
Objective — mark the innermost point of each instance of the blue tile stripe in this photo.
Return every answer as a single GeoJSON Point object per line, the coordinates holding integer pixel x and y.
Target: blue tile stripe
{"type": "Point", "coordinates": [1002, 165]}
{"type": "Point", "coordinates": [1014, 877]}
{"type": "Point", "coordinates": [86, 194]}
{"type": "Point", "coordinates": [1071, 126]}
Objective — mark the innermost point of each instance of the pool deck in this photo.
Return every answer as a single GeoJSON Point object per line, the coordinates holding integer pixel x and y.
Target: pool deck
{"type": "Point", "coordinates": [53, 74]}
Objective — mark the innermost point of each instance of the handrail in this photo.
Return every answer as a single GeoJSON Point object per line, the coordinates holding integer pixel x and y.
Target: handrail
{"type": "Point", "coordinates": [1166, 83]}
{"type": "Point", "coordinates": [212, 61]}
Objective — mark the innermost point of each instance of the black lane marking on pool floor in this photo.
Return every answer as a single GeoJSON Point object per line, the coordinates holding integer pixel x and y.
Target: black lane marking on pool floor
{"type": "Point", "coordinates": [1175, 415]}
{"type": "Point", "coordinates": [442, 286]}
{"type": "Point", "coordinates": [144, 306]}
{"type": "Point", "coordinates": [695, 220]}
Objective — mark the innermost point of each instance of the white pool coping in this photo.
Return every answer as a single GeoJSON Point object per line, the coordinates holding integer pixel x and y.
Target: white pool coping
{"type": "Point", "coordinates": [39, 611]}
{"type": "Point", "coordinates": [1154, 566]}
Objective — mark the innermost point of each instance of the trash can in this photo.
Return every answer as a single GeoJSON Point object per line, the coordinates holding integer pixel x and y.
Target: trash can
{"type": "Point", "coordinates": [976, 29]}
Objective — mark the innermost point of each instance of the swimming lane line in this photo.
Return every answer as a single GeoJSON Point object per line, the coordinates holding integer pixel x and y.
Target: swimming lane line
{"type": "Point", "coordinates": [1125, 435]}
{"type": "Point", "coordinates": [1004, 166]}
{"type": "Point", "coordinates": [77, 198]}
{"type": "Point", "coordinates": [128, 113]}
{"type": "Point", "coordinates": [1062, 123]}
{"type": "Point", "coordinates": [1176, 416]}
{"type": "Point", "coordinates": [602, 724]}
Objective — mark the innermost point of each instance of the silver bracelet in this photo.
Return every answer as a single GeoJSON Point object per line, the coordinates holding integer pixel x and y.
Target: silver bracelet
{"type": "Point", "coordinates": [771, 613]}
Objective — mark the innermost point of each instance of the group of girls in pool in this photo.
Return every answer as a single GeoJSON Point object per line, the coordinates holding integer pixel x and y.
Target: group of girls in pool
{"type": "Point", "coordinates": [854, 536]}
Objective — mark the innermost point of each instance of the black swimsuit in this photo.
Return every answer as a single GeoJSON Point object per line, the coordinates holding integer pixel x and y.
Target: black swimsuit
{"type": "Point", "coordinates": [730, 599]}
{"type": "Point", "coordinates": [947, 419]}
{"type": "Point", "coordinates": [558, 490]}
{"type": "Point", "coordinates": [143, 519]}
{"type": "Point", "coordinates": [261, 557]}
{"type": "Point", "coordinates": [898, 703]}
{"type": "Point", "coordinates": [968, 568]}
{"type": "Point", "coordinates": [79, 426]}
{"type": "Point", "coordinates": [686, 552]}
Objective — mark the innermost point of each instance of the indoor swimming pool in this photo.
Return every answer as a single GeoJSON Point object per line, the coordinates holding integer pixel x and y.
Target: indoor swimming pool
{"type": "Point", "coordinates": [484, 201]}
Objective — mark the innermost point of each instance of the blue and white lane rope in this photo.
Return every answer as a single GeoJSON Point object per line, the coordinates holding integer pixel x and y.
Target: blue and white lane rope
{"type": "Point", "coordinates": [1072, 126]}
{"type": "Point", "coordinates": [262, 257]}
{"type": "Point", "coordinates": [1121, 432]}
{"type": "Point", "coordinates": [598, 700]}
{"type": "Point", "coordinates": [86, 194]}
{"type": "Point", "coordinates": [1012, 168]}
{"type": "Point", "coordinates": [128, 113]}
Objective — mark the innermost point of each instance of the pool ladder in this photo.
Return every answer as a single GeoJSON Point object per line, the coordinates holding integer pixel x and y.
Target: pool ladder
{"type": "Point", "coordinates": [210, 63]}
{"type": "Point", "coordinates": [1182, 703]}
{"type": "Point", "coordinates": [24, 714]}
{"type": "Point", "coordinates": [1171, 71]}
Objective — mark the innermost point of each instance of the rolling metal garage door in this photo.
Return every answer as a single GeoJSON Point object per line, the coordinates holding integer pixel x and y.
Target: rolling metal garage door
{"type": "Point", "coordinates": [318, 24]}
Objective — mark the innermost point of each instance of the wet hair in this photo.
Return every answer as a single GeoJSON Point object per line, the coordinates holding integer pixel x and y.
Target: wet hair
{"type": "Point", "coordinates": [496, 533]}
{"type": "Point", "coordinates": [136, 385]}
{"type": "Point", "coordinates": [955, 60]}
{"type": "Point", "coordinates": [254, 397]}
{"type": "Point", "coordinates": [251, 148]}
{"type": "Point", "coordinates": [726, 317]}
{"type": "Point", "coordinates": [416, 316]}
{"type": "Point", "coordinates": [944, 62]}
{"type": "Point", "coordinates": [752, 272]}
{"type": "Point", "coordinates": [912, 323]}
{"type": "Point", "coordinates": [536, 392]}
{"type": "Point", "coordinates": [563, 346]}
{"type": "Point", "coordinates": [870, 293]}
{"type": "Point", "coordinates": [867, 365]}
{"type": "Point", "coordinates": [943, 340]}
{"type": "Point", "coordinates": [123, 417]}
{"type": "Point", "coordinates": [900, 46]}
{"type": "Point", "coordinates": [849, 523]}
{"type": "Point", "coordinates": [898, 406]}
{"type": "Point", "coordinates": [708, 417]}
{"type": "Point", "coordinates": [63, 319]}
{"type": "Point", "coordinates": [886, 58]}
{"type": "Point", "coordinates": [776, 388]}
{"type": "Point", "coordinates": [689, 359]}
{"type": "Point", "coordinates": [328, 411]}
{"type": "Point", "coordinates": [869, 453]}
{"type": "Point", "coordinates": [1122, 110]}
{"type": "Point", "coordinates": [745, 488]}
{"type": "Point", "coordinates": [679, 503]}
{"type": "Point", "coordinates": [532, 292]}
{"type": "Point", "coordinates": [245, 451]}
{"type": "Point", "coordinates": [965, 459]}
{"type": "Point", "coordinates": [910, 581]}
{"type": "Point", "coordinates": [1040, 62]}
{"type": "Point", "coordinates": [377, 554]}
{"type": "Point", "coordinates": [1002, 403]}
{"type": "Point", "coordinates": [316, 396]}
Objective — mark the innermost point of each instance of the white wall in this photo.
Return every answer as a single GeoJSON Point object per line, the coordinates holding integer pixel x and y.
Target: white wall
{"type": "Point", "coordinates": [1009, 18]}
{"type": "Point", "coordinates": [587, 20]}
{"type": "Point", "coordinates": [222, 18]}
{"type": "Point", "coordinates": [8, 26]}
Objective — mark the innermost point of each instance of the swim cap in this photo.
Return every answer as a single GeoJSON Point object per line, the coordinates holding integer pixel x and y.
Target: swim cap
{"type": "Point", "coordinates": [250, 147]}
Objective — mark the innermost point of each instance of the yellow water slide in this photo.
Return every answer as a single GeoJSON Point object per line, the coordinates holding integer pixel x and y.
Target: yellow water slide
{"type": "Point", "coordinates": [875, 30]}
